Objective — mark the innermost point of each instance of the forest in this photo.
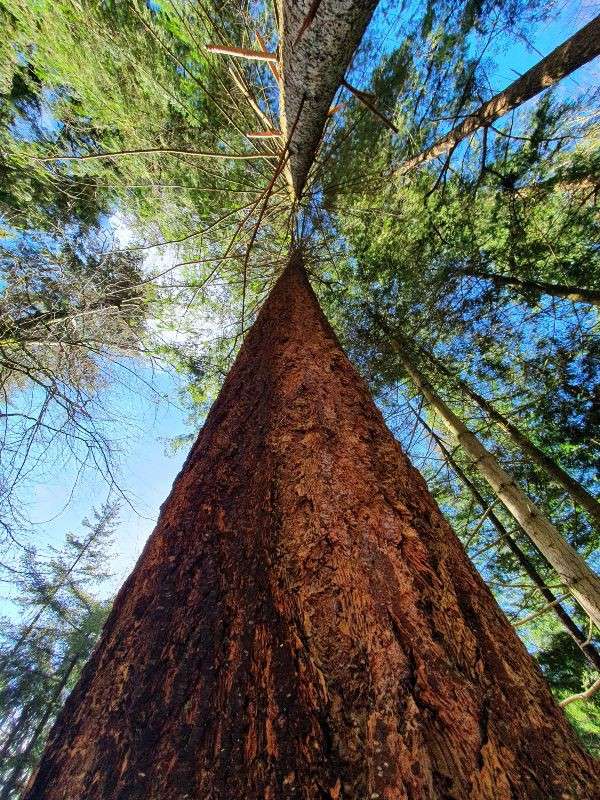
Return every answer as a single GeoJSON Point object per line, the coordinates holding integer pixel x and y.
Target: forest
{"type": "Point", "coordinates": [347, 253]}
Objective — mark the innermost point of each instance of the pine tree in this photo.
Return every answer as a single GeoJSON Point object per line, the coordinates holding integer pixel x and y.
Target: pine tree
{"type": "Point", "coordinates": [42, 657]}
{"type": "Point", "coordinates": [303, 621]}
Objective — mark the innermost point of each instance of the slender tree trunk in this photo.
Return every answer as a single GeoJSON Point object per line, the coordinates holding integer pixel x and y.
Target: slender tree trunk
{"type": "Point", "coordinates": [572, 569]}
{"type": "Point", "coordinates": [524, 561]}
{"type": "Point", "coordinates": [569, 56]}
{"type": "Point", "coordinates": [12, 783]}
{"type": "Point", "coordinates": [576, 293]}
{"type": "Point", "coordinates": [579, 495]}
{"type": "Point", "coordinates": [17, 329]}
{"type": "Point", "coordinates": [303, 623]}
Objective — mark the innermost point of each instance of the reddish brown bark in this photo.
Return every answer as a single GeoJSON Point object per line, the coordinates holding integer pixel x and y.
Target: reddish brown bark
{"type": "Point", "coordinates": [303, 623]}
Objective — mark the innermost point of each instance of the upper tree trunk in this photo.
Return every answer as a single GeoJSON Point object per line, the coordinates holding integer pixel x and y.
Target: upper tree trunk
{"type": "Point", "coordinates": [303, 623]}
{"type": "Point", "coordinates": [318, 39]}
{"type": "Point", "coordinates": [566, 58]}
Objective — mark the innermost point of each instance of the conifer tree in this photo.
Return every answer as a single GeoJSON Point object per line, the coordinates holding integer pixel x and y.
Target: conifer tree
{"type": "Point", "coordinates": [41, 658]}
{"type": "Point", "coordinates": [303, 622]}
{"type": "Point", "coordinates": [274, 642]}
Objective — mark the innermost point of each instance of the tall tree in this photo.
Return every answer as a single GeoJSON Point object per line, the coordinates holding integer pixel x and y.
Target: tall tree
{"type": "Point", "coordinates": [570, 566]}
{"type": "Point", "coordinates": [525, 563]}
{"type": "Point", "coordinates": [307, 92]}
{"type": "Point", "coordinates": [275, 642]}
{"type": "Point", "coordinates": [302, 622]}
{"type": "Point", "coordinates": [577, 492]}
{"type": "Point", "coordinates": [580, 48]}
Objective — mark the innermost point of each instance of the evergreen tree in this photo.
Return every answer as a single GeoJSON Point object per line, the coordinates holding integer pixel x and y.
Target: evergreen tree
{"type": "Point", "coordinates": [42, 656]}
{"type": "Point", "coordinates": [350, 648]}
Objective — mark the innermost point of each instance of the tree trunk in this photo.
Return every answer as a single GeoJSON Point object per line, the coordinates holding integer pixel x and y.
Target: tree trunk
{"type": "Point", "coordinates": [303, 623]}
{"type": "Point", "coordinates": [578, 636]}
{"type": "Point", "coordinates": [15, 330]}
{"type": "Point", "coordinates": [576, 293]}
{"type": "Point", "coordinates": [572, 569]}
{"type": "Point", "coordinates": [566, 58]}
{"type": "Point", "coordinates": [579, 495]}
{"type": "Point", "coordinates": [317, 41]}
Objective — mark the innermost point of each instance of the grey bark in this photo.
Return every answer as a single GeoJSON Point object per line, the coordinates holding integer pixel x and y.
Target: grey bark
{"type": "Point", "coordinates": [571, 568]}
{"type": "Point", "coordinates": [566, 58]}
{"type": "Point", "coordinates": [579, 495]}
{"type": "Point", "coordinates": [317, 42]}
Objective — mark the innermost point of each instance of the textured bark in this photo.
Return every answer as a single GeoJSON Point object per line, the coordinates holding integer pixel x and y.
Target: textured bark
{"type": "Point", "coordinates": [582, 47]}
{"type": "Point", "coordinates": [303, 623]}
{"type": "Point", "coordinates": [576, 293]}
{"type": "Point", "coordinates": [571, 568]}
{"type": "Point", "coordinates": [578, 493]}
{"type": "Point", "coordinates": [574, 631]}
{"type": "Point", "coordinates": [318, 40]}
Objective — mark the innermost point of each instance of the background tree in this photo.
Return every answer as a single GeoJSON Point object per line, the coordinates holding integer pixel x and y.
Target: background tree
{"type": "Point", "coordinates": [41, 658]}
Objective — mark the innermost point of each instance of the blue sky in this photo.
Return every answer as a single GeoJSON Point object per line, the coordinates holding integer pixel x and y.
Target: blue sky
{"type": "Point", "coordinates": [145, 474]}
{"type": "Point", "coordinates": [517, 58]}
{"type": "Point", "coordinates": [147, 471]}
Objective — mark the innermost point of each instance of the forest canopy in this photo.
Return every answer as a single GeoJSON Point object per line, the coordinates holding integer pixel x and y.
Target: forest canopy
{"type": "Point", "coordinates": [450, 226]}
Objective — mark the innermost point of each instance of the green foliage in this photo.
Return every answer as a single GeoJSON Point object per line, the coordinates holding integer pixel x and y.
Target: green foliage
{"type": "Point", "coordinates": [42, 657]}
{"type": "Point", "coordinates": [520, 201]}
{"type": "Point", "coordinates": [205, 242]}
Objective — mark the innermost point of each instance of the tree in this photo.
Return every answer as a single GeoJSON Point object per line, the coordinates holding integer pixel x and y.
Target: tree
{"type": "Point", "coordinates": [569, 56]}
{"type": "Point", "coordinates": [303, 619]}
{"type": "Point", "coordinates": [308, 92]}
{"type": "Point", "coordinates": [72, 322]}
{"type": "Point", "coordinates": [296, 645]}
{"type": "Point", "coordinates": [577, 492]}
{"type": "Point", "coordinates": [577, 293]}
{"type": "Point", "coordinates": [571, 567]}
{"type": "Point", "coordinates": [571, 627]}
{"type": "Point", "coordinates": [41, 658]}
